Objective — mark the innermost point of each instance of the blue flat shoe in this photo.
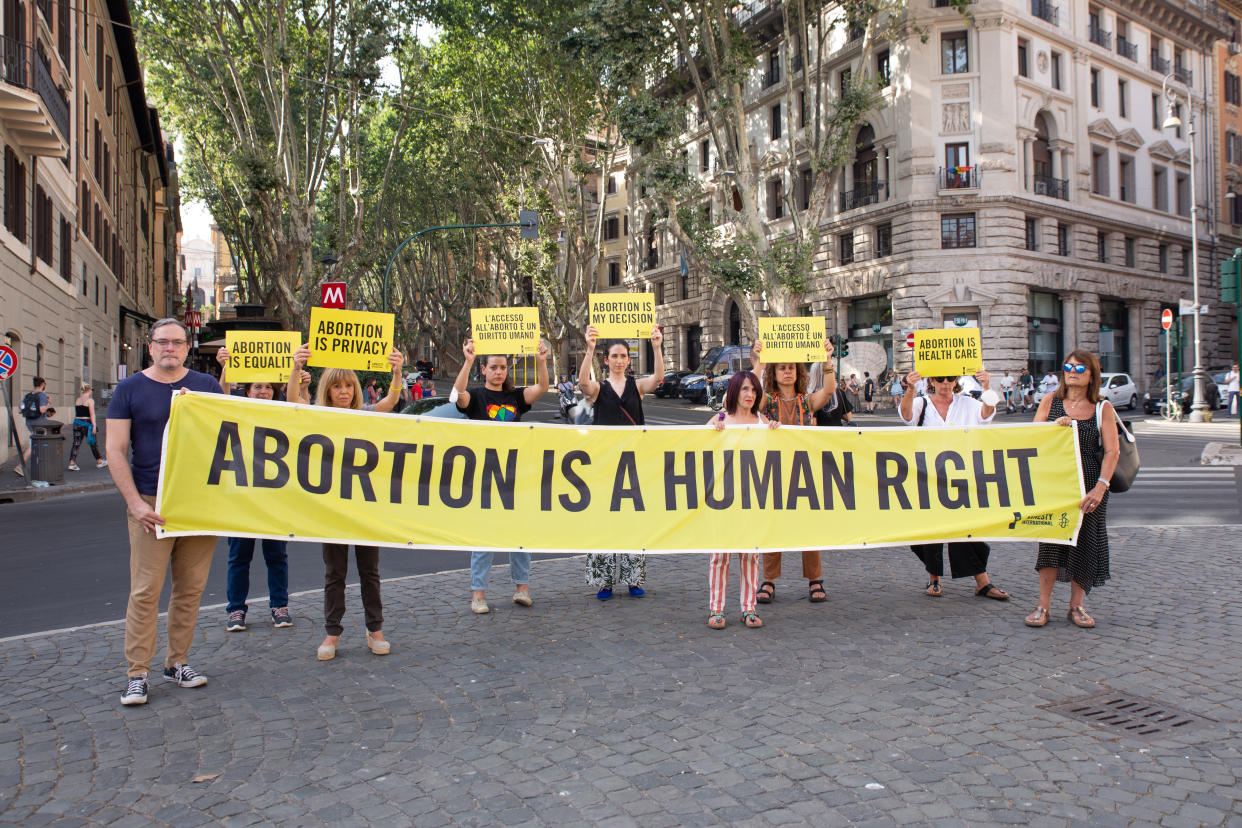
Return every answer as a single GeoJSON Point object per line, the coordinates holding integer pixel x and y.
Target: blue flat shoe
{"type": "Point", "coordinates": [636, 592]}
{"type": "Point", "coordinates": [604, 594]}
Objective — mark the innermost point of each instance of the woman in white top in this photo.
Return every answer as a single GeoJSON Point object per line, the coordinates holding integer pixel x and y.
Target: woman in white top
{"type": "Point", "coordinates": [945, 406]}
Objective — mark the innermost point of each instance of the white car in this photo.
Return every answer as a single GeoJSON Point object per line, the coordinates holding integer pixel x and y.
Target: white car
{"type": "Point", "coordinates": [1119, 390]}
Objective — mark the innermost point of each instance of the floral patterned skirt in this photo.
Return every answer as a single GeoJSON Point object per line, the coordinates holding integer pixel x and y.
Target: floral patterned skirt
{"type": "Point", "coordinates": [608, 570]}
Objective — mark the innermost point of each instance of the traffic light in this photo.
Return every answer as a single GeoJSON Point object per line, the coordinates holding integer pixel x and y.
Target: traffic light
{"type": "Point", "coordinates": [844, 345]}
{"type": "Point", "coordinates": [1231, 279]}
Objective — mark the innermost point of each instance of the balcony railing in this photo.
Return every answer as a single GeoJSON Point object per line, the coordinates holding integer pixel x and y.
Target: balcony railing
{"type": "Point", "coordinates": [1159, 64]}
{"type": "Point", "coordinates": [651, 260]}
{"type": "Point", "coordinates": [1127, 49]}
{"type": "Point", "coordinates": [1046, 185]}
{"type": "Point", "coordinates": [1044, 10]}
{"type": "Point", "coordinates": [1183, 75]}
{"type": "Point", "coordinates": [21, 65]}
{"type": "Point", "coordinates": [959, 178]}
{"type": "Point", "coordinates": [1098, 36]}
{"type": "Point", "coordinates": [863, 194]}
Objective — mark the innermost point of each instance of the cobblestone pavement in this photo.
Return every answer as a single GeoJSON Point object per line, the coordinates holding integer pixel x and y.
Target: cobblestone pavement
{"type": "Point", "coordinates": [879, 707]}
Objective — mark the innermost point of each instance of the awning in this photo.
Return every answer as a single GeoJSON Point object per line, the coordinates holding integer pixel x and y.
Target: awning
{"type": "Point", "coordinates": [136, 315]}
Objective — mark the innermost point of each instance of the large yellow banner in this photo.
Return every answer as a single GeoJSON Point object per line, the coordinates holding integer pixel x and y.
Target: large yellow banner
{"type": "Point", "coordinates": [256, 468]}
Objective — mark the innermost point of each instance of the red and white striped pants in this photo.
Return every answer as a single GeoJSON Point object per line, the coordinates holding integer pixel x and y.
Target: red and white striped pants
{"type": "Point", "coordinates": [718, 580]}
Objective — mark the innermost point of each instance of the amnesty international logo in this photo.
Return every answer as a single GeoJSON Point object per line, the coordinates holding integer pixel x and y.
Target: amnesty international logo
{"type": "Point", "coordinates": [1064, 521]}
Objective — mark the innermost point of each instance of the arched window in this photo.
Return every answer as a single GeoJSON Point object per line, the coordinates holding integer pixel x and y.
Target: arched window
{"type": "Point", "coordinates": [735, 324]}
{"type": "Point", "coordinates": [1041, 153]}
{"type": "Point", "coordinates": [865, 158]}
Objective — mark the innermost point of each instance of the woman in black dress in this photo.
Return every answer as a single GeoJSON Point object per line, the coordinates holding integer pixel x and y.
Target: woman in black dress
{"type": "Point", "coordinates": [1085, 564]}
{"type": "Point", "coordinates": [618, 399]}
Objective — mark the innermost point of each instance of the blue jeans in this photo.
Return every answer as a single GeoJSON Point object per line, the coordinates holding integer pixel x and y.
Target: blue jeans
{"type": "Point", "coordinates": [481, 565]}
{"type": "Point", "coordinates": [241, 552]}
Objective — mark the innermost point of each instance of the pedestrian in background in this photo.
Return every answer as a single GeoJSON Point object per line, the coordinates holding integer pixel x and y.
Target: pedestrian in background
{"type": "Point", "coordinates": [137, 416]}
{"type": "Point", "coordinates": [852, 387]}
{"type": "Point", "coordinates": [741, 407]}
{"type": "Point", "coordinates": [1083, 564]}
{"type": "Point", "coordinates": [34, 408]}
{"type": "Point", "coordinates": [84, 429]}
{"type": "Point", "coordinates": [786, 401]}
{"type": "Point", "coordinates": [618, 401]}
{"type": "Point", "coordinates": [1231, 386]}
{"type": "Point", "coordinates": [339, 388]}
{"type": "Point", "coordinates": [946, 407]}
{"type": "Point", "coordinates": [869, 392]}
{"type": "Point", "coordinates": [498, 401]}
{"type": "Point", "coordinates": [897, 389]}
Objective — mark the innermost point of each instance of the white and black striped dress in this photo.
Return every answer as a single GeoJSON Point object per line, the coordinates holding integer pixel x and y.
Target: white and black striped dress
{"type": "Point", "coordinates": [1086, 563]}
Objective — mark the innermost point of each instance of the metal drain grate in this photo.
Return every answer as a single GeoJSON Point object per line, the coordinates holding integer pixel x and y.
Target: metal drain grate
{"type": "Point", "coordinates": [1132, 715]}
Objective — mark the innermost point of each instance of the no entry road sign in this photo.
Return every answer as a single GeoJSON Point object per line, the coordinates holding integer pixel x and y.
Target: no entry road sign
{"type": "Point", "coordinates": [1166, 319]}
{"type": "Point", "coordinates": [8, 362]}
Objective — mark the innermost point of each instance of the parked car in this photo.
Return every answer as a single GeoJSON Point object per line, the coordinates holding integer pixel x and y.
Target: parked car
{"type": "Point", "coordinates": [723, 361]}
{"type": "Point", "coordinates": [1120, 390]}
{"type": "Point", "coordinates": [671, 387]}
{"type": "Point", "coordinates": [426, 367]}
{"type": "Point", "coordinates": [1183, 391]}
{"type": "Point", "coordinates": [434, 407]}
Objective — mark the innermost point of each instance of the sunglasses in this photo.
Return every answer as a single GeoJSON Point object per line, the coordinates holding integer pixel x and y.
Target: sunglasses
{"type": "Point", "coordinates": [943, 379]}
{"type": "Point", "coordinates": [1074, 368]}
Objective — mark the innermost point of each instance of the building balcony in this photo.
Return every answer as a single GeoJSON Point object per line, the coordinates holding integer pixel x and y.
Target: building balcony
{"type": "Point", "coordinates": [1159, 64]}
{"type": "Point", "coordinates": [871, 192]}
{"type": "Point", "coordinates": [1099, 37]}
{"type": "Point", "coordinates": [1044, 10]}
{"type": "Point", "coordinates": [651, 261]}
{"type": "Point", "coordinates": [959, 178]}
{"type": "Point", "coordinates": [1046, 185]}
{"type": "Point", "coordinates": [1183, 75]}
{"type": "Point", "coordinates": [33, 109]}
{"type": "Point", "coordinates": [1127, 49]}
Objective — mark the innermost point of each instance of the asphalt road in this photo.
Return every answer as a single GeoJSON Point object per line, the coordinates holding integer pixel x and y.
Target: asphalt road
{"type": "Point", "coordinates": [66, 558]}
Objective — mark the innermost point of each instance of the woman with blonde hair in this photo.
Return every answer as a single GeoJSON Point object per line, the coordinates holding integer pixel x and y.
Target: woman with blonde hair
{"type": "Point", "coordinates": [785, 400]}
{"type": "Point", "coordinates": [84, 428]}
{"type": "Point", "coordinates": [340, 388]}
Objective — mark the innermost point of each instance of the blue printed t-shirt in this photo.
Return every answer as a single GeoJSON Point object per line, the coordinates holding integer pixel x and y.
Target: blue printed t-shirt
{"type": "Point", "coordinates": [145, 403]}
{"type": "Point", "coordinates": [497, 406]}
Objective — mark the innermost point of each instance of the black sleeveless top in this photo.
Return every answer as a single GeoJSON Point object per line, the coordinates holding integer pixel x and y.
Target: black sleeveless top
{"type": "Point", "coordinates": [82, 412]}
{"type": "Point", "coordinates": [613, 410]}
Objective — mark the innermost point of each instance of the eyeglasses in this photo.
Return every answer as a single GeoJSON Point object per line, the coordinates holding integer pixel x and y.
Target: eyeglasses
{"type": "Point", "coordinates": [1074, 368]}
{"type": "Point", "coordinates": [169, 343]}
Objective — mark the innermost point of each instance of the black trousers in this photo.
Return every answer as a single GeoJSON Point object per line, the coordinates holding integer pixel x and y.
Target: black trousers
{"type": "Point", "coordinates": [966, 558]}
{"type": "Point", "coordinates": [336, 567]}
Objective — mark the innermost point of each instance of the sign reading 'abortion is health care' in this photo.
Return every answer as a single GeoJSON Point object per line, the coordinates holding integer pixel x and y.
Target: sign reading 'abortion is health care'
{"type": "Point", "coordinates": [948, 353]}
{"type": "Point", "coordinates": [256, 468]}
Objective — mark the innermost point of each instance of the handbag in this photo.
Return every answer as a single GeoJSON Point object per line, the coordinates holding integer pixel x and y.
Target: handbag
{"type": "Point", "coordinates": [1128, 457]}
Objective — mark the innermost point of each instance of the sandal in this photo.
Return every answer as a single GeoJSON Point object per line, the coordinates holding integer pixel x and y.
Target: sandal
{"type": "Point", "coordinates": [933, 589]}
{"type": "Point", "coordinates": [818, 595]}
{"type": "Point", "coordinates": [716, 621]}
{"type": "Point", "coordinates": [1038, 618]}
{"type": "Point", "coordinates": [1079, 616]}
{"type": "Point", "coordinates": [991, 590]}
{"type": "Point", "coordinates": [751, 620]}
{"type": "Point", "coordinates": [766, 592]}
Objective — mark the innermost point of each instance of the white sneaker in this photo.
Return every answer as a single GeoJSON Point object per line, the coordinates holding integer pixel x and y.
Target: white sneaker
{"type": "Point", "coordinates": [102, 464]}
{"type": "Point", "coordinates": [184, 675]}
{"type": "Point", "coordinates": [135, 690]}
{"type": "Point", "coordinates": [74, 467]}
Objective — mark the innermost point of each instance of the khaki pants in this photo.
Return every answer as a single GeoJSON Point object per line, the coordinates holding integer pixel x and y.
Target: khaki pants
{"type": "Point", "coordinates": [810, 565]}
{"type": "Point", "coordinates": [149, 559]}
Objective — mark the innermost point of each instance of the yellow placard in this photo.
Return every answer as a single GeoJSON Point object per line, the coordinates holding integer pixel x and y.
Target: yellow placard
{"type": "Point", "coordinates": [505, 330]}
{"type": "Point", "coordinates": [791, 338]}
{"type": "Point", "coordinates": [350, 339]}
{"type": "Point", "coordinates": [952, 352]}
{"type": "Point", "coordinates": [260, 356]}
{"type": "Point", "coordinates": [257, 468]}
{"type": "Point", "coordinates": [623, 315]}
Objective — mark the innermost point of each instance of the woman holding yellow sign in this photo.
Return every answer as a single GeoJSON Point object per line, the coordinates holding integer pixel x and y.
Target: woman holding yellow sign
{"type": "Point", "coordinates": [786, 401]}
{"type": "Point", "coordinates": [340, 388]}
{"type": "Point", "coordinates": [498, 401]}
{"type": "Point", "coordinates": [618, 400]}
{"type": "Point", "coordinates": [945, 406]}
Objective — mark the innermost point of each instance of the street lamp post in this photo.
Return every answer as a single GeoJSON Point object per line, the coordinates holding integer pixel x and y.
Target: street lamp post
{"type": "Point", "coordinates": [1199, 404]}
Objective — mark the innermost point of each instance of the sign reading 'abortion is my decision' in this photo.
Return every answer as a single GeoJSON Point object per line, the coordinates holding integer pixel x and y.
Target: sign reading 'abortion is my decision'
{"type": "Point", "coordinates": [623, 315]}
{"type": "Point", "coordinates": [260, 356]}
{"type": "Point", "coordinates": [350, 339]}
{"type": "Point", "coordinates": [948, 353]}
{"type": "Point", "coordinates": [505, 330]}
{"type": "Point", "coordinates": [791, 339]}
{"type": "Point", "coordinates": [257, 468]}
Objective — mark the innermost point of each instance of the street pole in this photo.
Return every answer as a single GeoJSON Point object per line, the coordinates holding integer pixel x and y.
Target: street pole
{"type": "Point", "coordinates": [527, 220]}
{"type": "Point", "coordinates": [1168, 372]}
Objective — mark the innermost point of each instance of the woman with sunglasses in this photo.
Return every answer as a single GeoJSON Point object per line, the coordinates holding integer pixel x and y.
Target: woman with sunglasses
{"type": "Point", "coordinates": [1085, 564]}
{"type": "Point", "coordinates": [945, 406]}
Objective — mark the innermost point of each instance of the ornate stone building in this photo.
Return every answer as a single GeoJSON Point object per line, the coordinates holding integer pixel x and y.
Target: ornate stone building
{"type": "Point", "coordinates": [1017, 177]}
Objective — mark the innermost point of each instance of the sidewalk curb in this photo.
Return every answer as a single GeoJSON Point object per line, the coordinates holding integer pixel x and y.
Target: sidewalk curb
{"type": "Point", "coordinates": [30, 494]}
{"type": "Point", "coordinates": [1221, 454]}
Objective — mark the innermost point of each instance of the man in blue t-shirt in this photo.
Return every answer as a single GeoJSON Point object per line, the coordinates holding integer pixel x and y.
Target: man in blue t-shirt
{"type": "Point", "coordinates": [137, 415]}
